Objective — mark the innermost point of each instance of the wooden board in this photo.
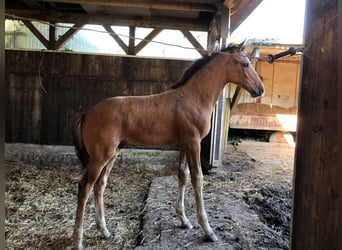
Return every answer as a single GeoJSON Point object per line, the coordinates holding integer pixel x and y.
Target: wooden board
{"type": "Point", "coordinates": [73, 83]}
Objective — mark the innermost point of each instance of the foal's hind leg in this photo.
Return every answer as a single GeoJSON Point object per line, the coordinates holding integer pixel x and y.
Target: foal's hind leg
{"type": "Point", "coordinates": [85, 187]}
{"type": "Point", "coordinates": [193, 157]}
{"type": "Point", "coordinates": [99, 188]}
{"type": "Point", "coordinates": [182, 179]}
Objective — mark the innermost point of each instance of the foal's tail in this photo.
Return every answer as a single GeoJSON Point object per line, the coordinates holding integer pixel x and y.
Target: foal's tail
{"type": "Point", "coordinates": [80, 149]}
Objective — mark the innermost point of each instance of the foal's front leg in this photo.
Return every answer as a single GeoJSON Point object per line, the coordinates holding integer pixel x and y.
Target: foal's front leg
{"type": "Point", "coordinates": [193, 156]}
{"type": "Point", "coordinates": [182, 179]}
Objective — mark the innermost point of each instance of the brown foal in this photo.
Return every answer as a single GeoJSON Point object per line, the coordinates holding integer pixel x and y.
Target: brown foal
{"type": "Point", "coordinates": [180, 116]}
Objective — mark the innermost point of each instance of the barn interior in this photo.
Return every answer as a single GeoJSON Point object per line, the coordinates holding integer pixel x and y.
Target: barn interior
{"type": "Point", "coordinates": [47, 86]}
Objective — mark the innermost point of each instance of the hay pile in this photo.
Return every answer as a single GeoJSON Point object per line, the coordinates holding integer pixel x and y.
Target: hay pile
{"type": "Point", "coordinates": [41, 203]}
{"type": "Point", "coordinates": [247, 200]}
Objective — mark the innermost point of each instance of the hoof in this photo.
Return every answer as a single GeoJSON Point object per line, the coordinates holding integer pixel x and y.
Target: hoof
{"type": "Point", "coordinates": [211, 237]}
{"type": "Point", "coordinates": [79, 246]}
{"type": "Point", "coordinates": [107, 235]}
{"type": "Point", "coordinates": [187, 226]}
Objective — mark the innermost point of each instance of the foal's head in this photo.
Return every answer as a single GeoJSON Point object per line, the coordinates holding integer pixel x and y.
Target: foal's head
{"type": "Point", "coordinates": [241, 71]}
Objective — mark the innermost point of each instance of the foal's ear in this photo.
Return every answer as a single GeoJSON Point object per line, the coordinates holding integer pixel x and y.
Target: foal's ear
{"type": "Point", "coordinates": [242, 46]}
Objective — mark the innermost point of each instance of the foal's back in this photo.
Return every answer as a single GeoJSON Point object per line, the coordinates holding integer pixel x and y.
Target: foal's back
{"type": "Point", "coordinates": [138, 120]}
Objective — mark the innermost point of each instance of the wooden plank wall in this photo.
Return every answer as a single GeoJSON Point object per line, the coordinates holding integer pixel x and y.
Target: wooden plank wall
{"type": "Point", "coordinates": [73, 83]}
{"type": "Point", "coordinates": [316, 194]}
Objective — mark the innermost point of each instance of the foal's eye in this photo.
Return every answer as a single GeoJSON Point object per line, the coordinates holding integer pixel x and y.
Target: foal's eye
{"type": "Point", "coordinates": [245, 65]}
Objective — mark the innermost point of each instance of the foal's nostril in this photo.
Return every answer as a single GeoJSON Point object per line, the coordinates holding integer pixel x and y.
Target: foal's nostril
{"type": "Point", "coordinates": [258, 92]}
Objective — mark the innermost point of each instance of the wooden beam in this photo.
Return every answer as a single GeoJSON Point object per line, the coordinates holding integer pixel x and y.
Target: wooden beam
{"type": "Point", "coordinates": [147, 22]}
{"type": "Point", "coordinates": [33, 4]}
{"type": "Point", "coordinates": [147, 39]}
{"type": "Point", "coordinates": [194, 42]}
{"type": "Point", "coordinates": [36, 33]}
{"type": "Point", "coordinates": [316, 212]}
{"type": "Point", "coordinates": [161, 5]}
{"type": "Point", "coordinates": [68, 35]}
{"type": "Point", "coordinates": [112, 33]}
{"type": "Point", "coordinates": [236, 97]}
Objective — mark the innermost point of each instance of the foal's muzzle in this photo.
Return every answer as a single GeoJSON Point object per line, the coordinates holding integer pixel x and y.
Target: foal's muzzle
{"type": "Point", "coordinates": [257, 92]}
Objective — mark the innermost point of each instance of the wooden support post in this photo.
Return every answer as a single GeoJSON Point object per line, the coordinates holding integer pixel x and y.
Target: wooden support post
{"type": "Point", "coordinates": [213, 35]}
{"type": "Point", "coordinates": [52, 37]}
{"type": "Point", "coordinates": [131, 41]}
{"type": "Point", "coordinates": [316, 193]}
{"type": "Point", "coordinates": [214, 143]}
{"type": "Point", "coordinates": [224, 29]}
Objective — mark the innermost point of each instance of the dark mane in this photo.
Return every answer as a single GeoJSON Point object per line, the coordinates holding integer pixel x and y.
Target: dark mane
{"type": "Point", "coordinates": [198, 64]}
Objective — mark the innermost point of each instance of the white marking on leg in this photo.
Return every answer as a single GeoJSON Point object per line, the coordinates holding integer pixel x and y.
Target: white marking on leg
{"type": "Point", "coordinates": [100, 219]}
{"type": "Point", "coordinates": [194, 160]}
{"type": "Point", "coordinates": [99, 188]}
{"type": "Point", "coordinates": [197, 183]}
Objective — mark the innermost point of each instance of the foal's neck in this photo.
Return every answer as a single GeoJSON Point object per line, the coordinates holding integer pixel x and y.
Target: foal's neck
{"type": "Point", "coordinates": [209, 81]}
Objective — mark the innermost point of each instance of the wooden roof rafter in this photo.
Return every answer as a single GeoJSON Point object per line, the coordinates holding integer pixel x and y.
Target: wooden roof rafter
{"type": "Point", "coordinates": [53, 43]}
{"type": "Point", "coordinates": [165, 14]}
{"type": "Point", "coordinates": [163, 5]}
{"type": "Point", "coordinates": [209, 16]}
{"type": "Point", "coordinates": [105, 19]}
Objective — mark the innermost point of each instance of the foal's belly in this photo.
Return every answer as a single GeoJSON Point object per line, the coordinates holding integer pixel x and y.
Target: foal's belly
{"type": "Point", "coordinates": [151, 138]}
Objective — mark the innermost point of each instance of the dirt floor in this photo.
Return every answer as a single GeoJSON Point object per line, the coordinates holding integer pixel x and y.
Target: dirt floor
{"type": "Point", "coordinates": [248, 201]}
